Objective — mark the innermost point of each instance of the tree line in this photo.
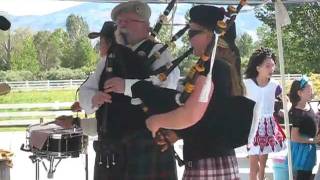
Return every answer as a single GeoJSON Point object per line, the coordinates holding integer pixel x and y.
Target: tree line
{"type": "Point", "coordinates": [300, 39]}
{"type": "Point", "coordinates": [43, 53]}
{"type": "Point", "coordinates": [69, 54]}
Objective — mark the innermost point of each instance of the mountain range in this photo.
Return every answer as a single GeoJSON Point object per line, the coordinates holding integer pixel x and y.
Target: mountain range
{"type": "Point", "coordinates": [96, 13]}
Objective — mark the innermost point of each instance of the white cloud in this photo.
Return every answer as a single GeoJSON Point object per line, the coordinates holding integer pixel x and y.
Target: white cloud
{"type": "Point", "coordinates": [34, 7]}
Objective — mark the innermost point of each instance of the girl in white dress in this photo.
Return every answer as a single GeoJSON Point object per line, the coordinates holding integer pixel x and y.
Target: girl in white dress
{"type": "Point", "coordinates": [266, 135]}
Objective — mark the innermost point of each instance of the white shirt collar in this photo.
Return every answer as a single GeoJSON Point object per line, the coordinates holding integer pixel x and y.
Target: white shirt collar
{"type": "Point", "coordinates": [134, 47]}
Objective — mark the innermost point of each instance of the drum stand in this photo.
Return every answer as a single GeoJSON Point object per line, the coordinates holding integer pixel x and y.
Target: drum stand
{"type": "Point", "coordinates": [86, 166]}
{"type": "Point", "coordinates": [52, 167]}
{"type": "Point", "coordinates": [36, 160]}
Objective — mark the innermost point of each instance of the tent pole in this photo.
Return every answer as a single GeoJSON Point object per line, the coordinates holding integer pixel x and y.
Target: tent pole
{"type": "Point", "coordinates": [282, 72]}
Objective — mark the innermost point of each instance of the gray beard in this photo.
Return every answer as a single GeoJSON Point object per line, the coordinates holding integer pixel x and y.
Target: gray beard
{"type": "Point", "coordinates": [121, 36]}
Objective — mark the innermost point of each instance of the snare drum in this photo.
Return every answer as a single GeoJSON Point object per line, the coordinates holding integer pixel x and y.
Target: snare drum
{"type": "Point", "coordinates": [37, 135]}
{"type": "Point", "coordinates": [64, 142]}
{"type": "Point", "coordinates": [56, 142]}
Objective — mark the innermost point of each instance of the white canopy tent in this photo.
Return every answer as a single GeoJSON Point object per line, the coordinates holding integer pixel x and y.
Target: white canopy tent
{"type": "Point", "coordinates": [216, 2]}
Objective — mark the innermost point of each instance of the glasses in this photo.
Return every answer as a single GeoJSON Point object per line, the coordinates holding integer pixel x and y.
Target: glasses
{"type": "Point", "coordinates": [193, 32]}
{"type": "Point", "coordinates": [303, 81]}
{"type": "Point", "coordinates": [127, 21]}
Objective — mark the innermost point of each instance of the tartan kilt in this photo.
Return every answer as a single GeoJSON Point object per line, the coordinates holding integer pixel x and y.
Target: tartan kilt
{"type": "Point", "coordinates": [217, 168]}
{"type": "Point", "coordinates": [141, 159]}
{"type": "Point", "coordinates": [145, 161]}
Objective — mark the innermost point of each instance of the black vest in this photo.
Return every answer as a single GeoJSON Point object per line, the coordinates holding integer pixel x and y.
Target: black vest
{"type": "Point", "coordinates": [120, 118]}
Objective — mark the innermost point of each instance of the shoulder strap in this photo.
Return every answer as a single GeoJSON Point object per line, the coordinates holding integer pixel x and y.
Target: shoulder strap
{"type": "Point", "coordinates": [146, 47]}
{"type": "Point", "coordinates": [103, 76]}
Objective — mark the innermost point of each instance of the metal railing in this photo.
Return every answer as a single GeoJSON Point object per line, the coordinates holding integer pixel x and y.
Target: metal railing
{"type": "Point", "coordinates": [45, 85]}
{"type": "Point", "coordinates": [22, 115]}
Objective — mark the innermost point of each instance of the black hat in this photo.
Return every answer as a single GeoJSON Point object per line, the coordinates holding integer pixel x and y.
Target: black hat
{"type": "Point", "coordinates": [107, 30]}
{"type": "Point", "coordinates": [4, 23]}
{"type": "Point", "coordinates": [206, 16]}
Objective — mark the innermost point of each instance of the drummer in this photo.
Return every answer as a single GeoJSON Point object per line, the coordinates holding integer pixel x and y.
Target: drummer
{"type": "Point", "coordinates": [107, 29]}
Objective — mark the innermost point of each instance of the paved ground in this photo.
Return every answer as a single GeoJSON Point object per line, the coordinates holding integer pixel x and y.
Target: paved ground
{"type": "Point", "coordinates": [74, 168]}
{"type": "Point", "coordinates": [23, 168]}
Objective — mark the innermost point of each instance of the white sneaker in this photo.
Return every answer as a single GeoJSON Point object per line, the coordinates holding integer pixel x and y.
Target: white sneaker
{"type": "Point", "coordinates": [4, 88]}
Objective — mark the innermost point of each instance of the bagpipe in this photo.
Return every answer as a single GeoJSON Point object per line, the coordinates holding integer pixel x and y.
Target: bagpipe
{"type": "Point", "coordinates": [226, 50]}
{"type": "Point", "coordinates": [237, 111]}
{"type": "Point", "coordinates": [164, 71]}
{"type": "Point", "coordinates": [175, 37]}
{"type": "Point", "coordinates": [162, 19]}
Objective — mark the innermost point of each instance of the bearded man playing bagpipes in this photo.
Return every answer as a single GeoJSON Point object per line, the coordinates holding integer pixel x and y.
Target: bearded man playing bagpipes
{"type": "Point", "coordinates": [125, 148]}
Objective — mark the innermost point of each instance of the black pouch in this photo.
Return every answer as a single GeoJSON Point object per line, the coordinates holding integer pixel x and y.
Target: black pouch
{"type": "Point", "coordinates": [237, 120]}
{"type": "Point", "coordinates": [111, 155]}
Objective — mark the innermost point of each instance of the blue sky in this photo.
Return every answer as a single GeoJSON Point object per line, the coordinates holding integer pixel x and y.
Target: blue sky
{"type": "Point", "coordinates": [48, 14]}
{"type": "Point", "coordinates": [34, 7]}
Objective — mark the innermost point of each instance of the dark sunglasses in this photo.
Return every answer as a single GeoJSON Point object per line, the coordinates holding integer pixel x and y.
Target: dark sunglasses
{"type": "Point", "coordinates": [192, 33]}
{"type": "Point", "coordinates": [303, 81]}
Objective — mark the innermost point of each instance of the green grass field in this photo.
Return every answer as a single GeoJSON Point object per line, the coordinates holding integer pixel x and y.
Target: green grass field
{"type": "Point", "coordinates": [12, 129]}
{"type": "Point", "coordinates": [48, 96]}
{"type": "Point", "coordinates": [17, 97]}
